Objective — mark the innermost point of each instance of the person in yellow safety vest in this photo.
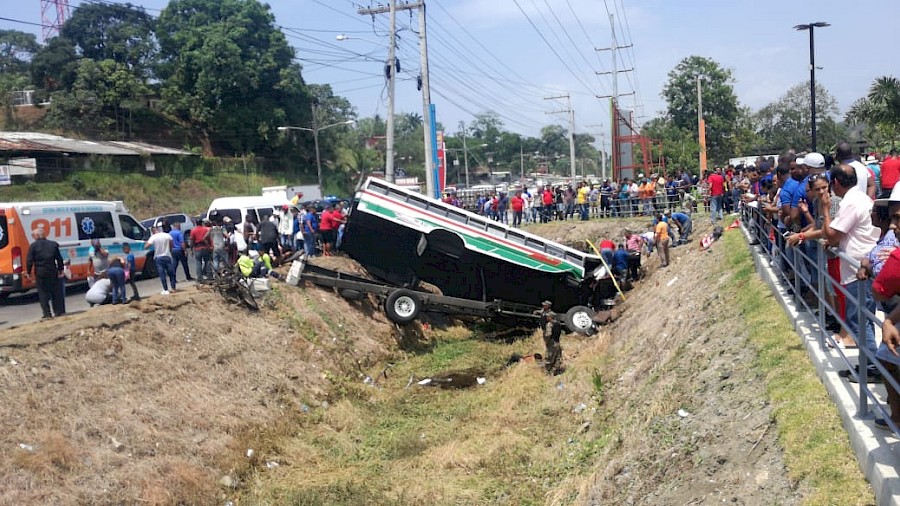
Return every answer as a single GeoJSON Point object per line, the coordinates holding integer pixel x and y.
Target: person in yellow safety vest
{"type": "Point", "coordinates": [252, 265]}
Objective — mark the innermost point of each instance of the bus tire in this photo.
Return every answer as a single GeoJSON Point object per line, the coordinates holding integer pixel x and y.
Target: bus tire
{"type": "Point", "coordinates": [580, 319]}
{"type": "Point", "coordinates": [402, 306]}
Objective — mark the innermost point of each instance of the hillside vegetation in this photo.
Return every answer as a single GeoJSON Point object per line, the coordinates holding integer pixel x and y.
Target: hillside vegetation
{"type": "Point", "coordinates": [144, 196]}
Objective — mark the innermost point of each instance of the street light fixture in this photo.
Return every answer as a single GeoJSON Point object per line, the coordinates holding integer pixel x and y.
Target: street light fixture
{"type": "Point", "coordinates": [812, 75]}
{"type": "Point", "coordinates": [315, 131]}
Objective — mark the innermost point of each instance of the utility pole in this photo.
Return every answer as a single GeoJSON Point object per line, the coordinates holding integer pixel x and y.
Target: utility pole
{"type": "Point", "coordinates": [701, 125]}
{"type": "Point", "coordinates": [431, 182]}
{"type": "Point", "coordinates": [614, 98]}
{"type": "Point", "coordinates": [571, 113]}
{"type": "Point", "coordinates": [462, 126]}
{"type": "Point", "coordinates": [521, 159]}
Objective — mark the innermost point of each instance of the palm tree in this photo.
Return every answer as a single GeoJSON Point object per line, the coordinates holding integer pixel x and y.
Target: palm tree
{"type": "Point", "coordinates": [880, 109]}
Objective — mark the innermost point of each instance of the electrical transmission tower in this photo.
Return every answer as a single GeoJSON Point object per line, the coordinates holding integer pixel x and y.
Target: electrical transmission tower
{"type": "Point", "coordinates": [53, 14]}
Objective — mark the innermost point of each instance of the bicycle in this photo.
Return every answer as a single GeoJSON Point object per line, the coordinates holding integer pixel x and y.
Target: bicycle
{"type": "Point", "coordinates": [232, 286]}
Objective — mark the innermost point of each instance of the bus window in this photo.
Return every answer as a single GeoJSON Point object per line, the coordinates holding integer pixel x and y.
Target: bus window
{"type": "Point", "coordinates": [130, 228]}
{"type": "Point", "coordinates": [96, 225]}
{"type": "Point", "coordinates": [264, 213]}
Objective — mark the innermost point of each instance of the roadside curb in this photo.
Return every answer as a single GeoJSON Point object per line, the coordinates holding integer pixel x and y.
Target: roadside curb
{"type": "Point", "coordinates": [877, 451]}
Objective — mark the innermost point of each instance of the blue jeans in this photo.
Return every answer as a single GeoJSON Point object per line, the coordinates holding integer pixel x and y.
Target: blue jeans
{"type": "Point", "coordinates": [309, 244]}
{"type": "Point", "coordinates": [852, 323]}
{"type": "Point", "coordinates": [179, 256]}
{"type": "Point", "coordinates": [116, 276]}
{"type": "Point", "coordinates": [203, 259]}
{"type": "Point", "coordinates": [715, 208]}
{"type": "Point", "coordinates": [166, 269]}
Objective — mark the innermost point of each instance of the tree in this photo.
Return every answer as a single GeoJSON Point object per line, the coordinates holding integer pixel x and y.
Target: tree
{"type": "Point", "coordinates": [680, 146]}
{"type": "Point", "coordinates": [785, 123]}
{"type": "Point", "coordinates": [95, 100]}
{"type": "Point", "coordinates": [880, 109]}
{"type": "Point", "coordinates": [16, 50]}
{"type": "Point", "coordinates": [720, 104]}
{"type": "Point", "coordinates": [109, 31]}
{"type": "Point", "coordinates": [55, 64]}
{"type": "Point", "coordinates": [228, 73]}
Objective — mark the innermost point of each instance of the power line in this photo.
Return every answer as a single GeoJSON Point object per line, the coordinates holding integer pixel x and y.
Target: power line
{"type": "Point", "coordinates": [551, 46]}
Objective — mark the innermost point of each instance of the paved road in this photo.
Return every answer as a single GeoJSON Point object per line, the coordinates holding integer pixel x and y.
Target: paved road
{"type": "Point", "coordinates": [24, 308]}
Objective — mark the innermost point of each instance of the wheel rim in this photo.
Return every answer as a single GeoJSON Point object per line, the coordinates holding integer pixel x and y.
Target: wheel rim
{"type": "Point", "coordinates": [404, 306]}
{"type": "Point", "coordinates": [582, 320]}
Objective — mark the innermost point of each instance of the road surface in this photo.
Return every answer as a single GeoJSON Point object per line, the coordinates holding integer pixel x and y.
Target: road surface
{"type": "Point", "coordinates": [24, 308]}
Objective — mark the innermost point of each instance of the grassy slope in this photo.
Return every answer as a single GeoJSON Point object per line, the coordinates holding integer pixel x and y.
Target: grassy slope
{"type": "Point", "coordinates": [816, 447]}
{"type": "Point", "coordinates": [516, 440]}
{"type": "Point", "coordinates": [144, 196]}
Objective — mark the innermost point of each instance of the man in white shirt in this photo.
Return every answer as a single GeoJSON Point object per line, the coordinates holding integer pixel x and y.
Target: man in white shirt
{"type": "Point", "coordinates": [161, 243]}
{"type": "Point", "coordinates": [852, 231]}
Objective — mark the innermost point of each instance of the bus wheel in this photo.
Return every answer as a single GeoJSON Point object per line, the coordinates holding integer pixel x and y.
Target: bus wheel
{"type": "Point", "coordinates": [402, 306]}
{"type": "Point", "coordinates": [580, 319]}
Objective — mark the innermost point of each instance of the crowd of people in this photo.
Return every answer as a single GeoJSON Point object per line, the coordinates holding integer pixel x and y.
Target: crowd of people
{"type": "Point", "coordinates": [850, 205]}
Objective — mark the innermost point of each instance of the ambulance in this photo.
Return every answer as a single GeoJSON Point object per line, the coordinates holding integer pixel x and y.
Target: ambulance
{"type": "Point", "coordinates": [72, 224]}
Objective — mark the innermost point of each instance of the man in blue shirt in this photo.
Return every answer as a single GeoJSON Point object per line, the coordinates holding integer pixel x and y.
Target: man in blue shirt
{"type": "Point", "coordinates": [179, 254]}
{"type": "Point", "coordinates": [620, 262]}
{"type": "Point", "coordinates": [685, 226]}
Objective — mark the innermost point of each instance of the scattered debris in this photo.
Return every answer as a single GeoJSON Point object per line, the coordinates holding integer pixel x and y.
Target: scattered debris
{"type": "Point", "coordinates": [119, 447]}
{"type": "Point", "coordinates": [579, 408]}
{"type": "Point", "coordinates": [250, 453]}
{"type": "Point", "coordinates": [482, 381]}
{"type": "Point", "coordinates": [271, 464]}
{"type": "Point", "coordinates": [683, 414]}
{"type": "Point", "coordinates": [672, 281]}
{"type": "Point", "coordinates": [227, 481]}
{"type": "Point", "coordinates": [26, 447]}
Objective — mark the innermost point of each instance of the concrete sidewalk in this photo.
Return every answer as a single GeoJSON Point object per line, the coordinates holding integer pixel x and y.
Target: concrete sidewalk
{"type": "Point", "coordinates": [877, 450]}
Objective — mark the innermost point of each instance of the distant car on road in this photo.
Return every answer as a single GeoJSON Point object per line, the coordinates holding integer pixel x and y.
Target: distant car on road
{"type": "Point", "coordinates": [187, 223]}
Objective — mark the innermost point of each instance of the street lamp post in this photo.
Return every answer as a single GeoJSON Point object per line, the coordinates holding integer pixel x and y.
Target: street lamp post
{"type": "Point", "coordinates": [812, 76]}
{"type": "Point", "coordinates": [315, 131]}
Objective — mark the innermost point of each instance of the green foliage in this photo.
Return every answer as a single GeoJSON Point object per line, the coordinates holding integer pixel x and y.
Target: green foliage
{"type": "Point", "coordinates": [720, 104]}
{"type": "Point", "coordinates": [228, 72]}
{"type": "Point", "coordinates": [879, 110]}
{"type": "Point", "coordinates": [94, 104]}
{"type": "Point", "coordinates": [109, 31]}
{"type": "Point", "coordinates": [785, 123]}
{"type": "Point", "coordinates": [54, 65]}
{"type": "Point", "coordinates": [16, 49]}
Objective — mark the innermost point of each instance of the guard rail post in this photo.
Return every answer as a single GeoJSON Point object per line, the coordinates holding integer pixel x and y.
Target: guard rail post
{"type": "Point", "coordinates": [797, 277]}
{"type": "Point", "coordinates": [863, 371]}
{"type": "Point", "coordinates": [821, 266]}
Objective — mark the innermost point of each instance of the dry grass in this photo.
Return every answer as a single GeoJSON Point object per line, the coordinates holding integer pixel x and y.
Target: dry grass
{"type": "Point", "coordinates": [157, 401]}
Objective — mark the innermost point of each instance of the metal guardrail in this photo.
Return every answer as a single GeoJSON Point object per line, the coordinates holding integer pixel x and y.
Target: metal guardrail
{"type": "Point", "coordinates": [803, 269]}
{"type": "Point", "coordinates": [608, 205]}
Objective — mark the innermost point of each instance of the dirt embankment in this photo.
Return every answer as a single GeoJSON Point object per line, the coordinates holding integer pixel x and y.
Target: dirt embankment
{"type": "Point", "coordinates": [153, 402]}
{"type": "Point", "coordinates": [181, 399]}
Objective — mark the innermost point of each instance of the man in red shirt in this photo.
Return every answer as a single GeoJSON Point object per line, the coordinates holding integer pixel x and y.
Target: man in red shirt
{"type": "Point", "coordinates": [328, 229]}
{"type": "Point", "coordinates": [716, 195]}
{"type": "Point", "coordinates": [890, 173]}
{"type": "Point", "coordinates": [517, 204]}
{"type": "Point", "coordinates": [201, 242]}
{"type": "Point", "coordinates": [547, 200]}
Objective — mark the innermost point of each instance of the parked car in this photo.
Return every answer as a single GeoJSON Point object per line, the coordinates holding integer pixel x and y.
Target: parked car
{"type": "Point", "coordinates": [187, 223]}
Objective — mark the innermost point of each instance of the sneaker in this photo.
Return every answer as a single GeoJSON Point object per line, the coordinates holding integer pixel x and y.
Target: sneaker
{"type": "Point", "coordinates": [164, 292]}
{"type": "Point", "coordinates": [881, 423]}
{"type": "Point", "coordinates": [872, 377]}
{"type": "Point", "coordinates": [846, 372]}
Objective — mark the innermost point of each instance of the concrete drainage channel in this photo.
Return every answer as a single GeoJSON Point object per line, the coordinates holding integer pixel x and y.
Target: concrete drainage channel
{"type": "Point", "coordinates": [876, 450]}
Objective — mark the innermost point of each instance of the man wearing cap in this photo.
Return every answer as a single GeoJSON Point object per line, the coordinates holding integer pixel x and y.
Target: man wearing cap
{"type": "Point", "coordinates": [552, 331]}
{"type": "Point", "coordinates": [545, 308]}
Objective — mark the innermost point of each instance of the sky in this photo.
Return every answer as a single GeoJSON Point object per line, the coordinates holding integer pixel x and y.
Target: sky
{"type": "Point", "coordinates": [510, 55]}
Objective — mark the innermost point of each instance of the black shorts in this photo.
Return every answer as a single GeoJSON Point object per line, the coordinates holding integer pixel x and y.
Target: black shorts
{"type": "Point", "coordinates": [329, 236]}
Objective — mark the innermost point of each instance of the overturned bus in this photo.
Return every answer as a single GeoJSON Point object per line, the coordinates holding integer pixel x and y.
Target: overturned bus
{"type": "Point", "coordinates": [403, 237]}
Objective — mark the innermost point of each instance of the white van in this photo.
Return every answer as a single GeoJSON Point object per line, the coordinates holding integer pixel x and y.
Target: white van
{"type": "Point", "coordinates": [72, 224]}
{"type": "Point", "coordinates": [259, 208]}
